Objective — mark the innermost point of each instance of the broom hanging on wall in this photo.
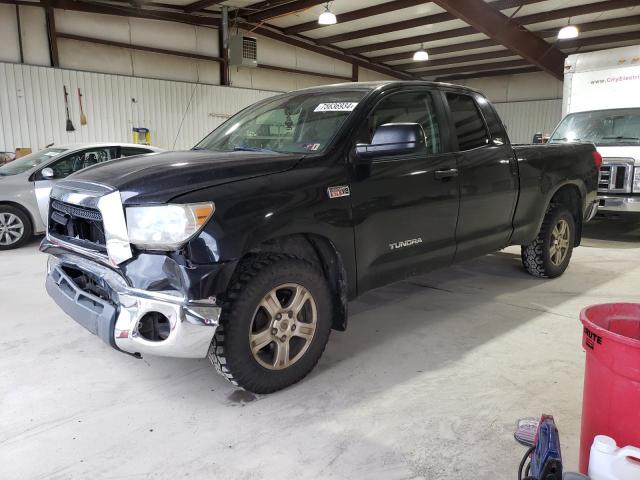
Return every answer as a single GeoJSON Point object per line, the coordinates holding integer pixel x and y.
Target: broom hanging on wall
{"type": "Point", "coordinates": [83, 117]}
{"type": "Point", "coordinates": [70, 127]}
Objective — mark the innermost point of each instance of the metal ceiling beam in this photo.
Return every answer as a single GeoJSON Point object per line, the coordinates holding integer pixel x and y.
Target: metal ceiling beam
{"type": "Point", "coordinates": [199, 5]}
{"type": "Point", "coordinates": [333, 52]}
{"type": "Point", "coordinates": [421, 66]}
{"type": "Point", "coordinates": [488, 73]}
{"type": "Point", "coordinates": [499, 72]}
{"type": "Point", "coordinates": [129, 46]}
{"type": "Point", "coordinates": [569, 12]}
{"type": "Point", "coordinates": [475, 68]}
{"type": "Point", "coordinates": [52, 35]}
{"type": "Point", "coordinates": [282, 10]}
{"type": "Point", "coordinates": [196, 56]}
{"type": "Point", "coordinates": [256, 7]}
{"type": "Point", "coordinates": [523, 20]}
{"type": "Point", "coordinates": [547, 33]}
{"type": "Point", "coordinates": [21, 3]}
{"type": "Point", "coordinates": [380, 9]}
{"type": "Point", "coordinates": [416, 67]}
{"type": "Point", "coordinates": [135, 12]}
{"type": "Point", "coordinates": [455, 47]}
{"type": "Point", "coordinates": [504, 30]}
{"type": "Point", "coordinates": [402, 42]}
{"type": "Point", "coordinates": [414, 22]}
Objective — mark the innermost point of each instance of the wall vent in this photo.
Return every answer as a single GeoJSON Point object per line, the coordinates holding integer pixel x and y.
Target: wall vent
{"type": "Point", "coordinates": [243, 51]}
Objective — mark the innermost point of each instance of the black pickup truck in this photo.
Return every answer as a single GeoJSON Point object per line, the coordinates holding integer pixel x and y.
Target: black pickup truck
{"type": "Point", "coordinates": [248, 248]}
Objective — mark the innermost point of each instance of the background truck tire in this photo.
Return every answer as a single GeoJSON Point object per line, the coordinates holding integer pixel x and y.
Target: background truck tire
{"type": "Point", "coordinates": [15, 227]}
{"type": "Point", "coordinates": [541, 257]}
{"type": "Point", "coordinates": [261, 308]}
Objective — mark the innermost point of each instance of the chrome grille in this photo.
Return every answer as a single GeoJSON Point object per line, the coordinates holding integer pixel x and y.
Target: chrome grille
{"type": "Point", "coordinates": [108, 240]}
{"type": "Point", "coordinates": [77, 223]}
{"type": "Point", "coordinates": [79, 212]}
{"type": "Point", "coordinates": [616, 176]}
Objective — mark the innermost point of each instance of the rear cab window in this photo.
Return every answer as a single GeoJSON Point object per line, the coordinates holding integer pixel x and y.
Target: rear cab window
{"type": "Point", "coordinates": [469, 127]}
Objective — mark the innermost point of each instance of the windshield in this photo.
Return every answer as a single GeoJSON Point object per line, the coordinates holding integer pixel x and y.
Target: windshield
{"type": "Point", "coordinates": [295, 123]}
{"type": "Point", "coordinates": [27, 162]}
{"type": "Point", "coordinates": [602, 127]}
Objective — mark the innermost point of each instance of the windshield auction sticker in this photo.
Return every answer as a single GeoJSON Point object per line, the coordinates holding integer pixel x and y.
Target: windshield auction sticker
{"type": "Point", "coordinates": [336, 107]}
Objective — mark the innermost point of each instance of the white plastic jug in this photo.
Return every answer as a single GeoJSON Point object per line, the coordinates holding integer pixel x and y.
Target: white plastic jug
{"type": "Point", "coordinates": [608, 462]}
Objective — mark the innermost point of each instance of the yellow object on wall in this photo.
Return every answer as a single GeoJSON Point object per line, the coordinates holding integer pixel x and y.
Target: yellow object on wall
{"type": "Point", "coordinates": [141, 136]}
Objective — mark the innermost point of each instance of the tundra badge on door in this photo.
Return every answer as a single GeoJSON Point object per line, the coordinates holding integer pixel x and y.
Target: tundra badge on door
{"type": "Point", "coordinates": [405, 243]}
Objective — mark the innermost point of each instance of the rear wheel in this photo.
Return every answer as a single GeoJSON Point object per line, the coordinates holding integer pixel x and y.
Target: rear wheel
{"type": "Point", "coordinates": [15, 227]}
{"type": "Point", "coordinates": [275, 324]}
{"type": "Point", "coordinates": [548, 256]}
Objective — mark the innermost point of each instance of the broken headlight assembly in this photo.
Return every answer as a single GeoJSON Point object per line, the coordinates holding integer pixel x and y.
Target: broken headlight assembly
{"type": "Point", "coordinates": [166, 227]}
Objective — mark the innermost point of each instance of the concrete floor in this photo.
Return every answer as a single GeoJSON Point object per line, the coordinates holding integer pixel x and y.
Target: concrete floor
{"type": "Point", "coordinates": [426, 383]}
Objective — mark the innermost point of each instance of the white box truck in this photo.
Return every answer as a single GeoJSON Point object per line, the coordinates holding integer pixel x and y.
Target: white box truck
{"type": "Point", "coordinates": [601, 105]}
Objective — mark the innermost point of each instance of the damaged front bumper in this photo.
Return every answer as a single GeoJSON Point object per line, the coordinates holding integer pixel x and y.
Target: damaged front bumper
{"type": "Point", "coordinates": [131, 320]}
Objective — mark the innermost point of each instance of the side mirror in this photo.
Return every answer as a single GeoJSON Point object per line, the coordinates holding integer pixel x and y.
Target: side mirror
{"type": "Point", "coordinates": [393, 139]}
{"type": "Point", "coordinates": [47, 173]}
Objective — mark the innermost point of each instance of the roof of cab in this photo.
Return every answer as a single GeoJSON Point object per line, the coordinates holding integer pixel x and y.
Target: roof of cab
{"type": "Point", "coordinates": [79, 146]}
{"type": "Point", "coordinates": [374, 85]}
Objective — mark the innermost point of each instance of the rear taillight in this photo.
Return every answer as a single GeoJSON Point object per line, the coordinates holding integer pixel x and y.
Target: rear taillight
{"type": "Point", "coordinates": [597, 159]}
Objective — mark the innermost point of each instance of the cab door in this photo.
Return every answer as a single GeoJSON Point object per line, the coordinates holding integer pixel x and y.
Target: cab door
{"type": "Point", "coordinates": [405, 206]}
{"type": "Point", "coordinates": [488, 178]}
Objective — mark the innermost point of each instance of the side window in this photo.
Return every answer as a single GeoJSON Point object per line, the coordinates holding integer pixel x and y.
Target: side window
{"type": "Point", "coordinates": [130, 151]}
{"type": "Point", "coordinates": [83, 159]}
{"type": "Point", "coordinates": [469, 126]}
{"type": "Point", "coordinates": [496, 129]}
{"type": "Point", "coordinates": [410, 107]}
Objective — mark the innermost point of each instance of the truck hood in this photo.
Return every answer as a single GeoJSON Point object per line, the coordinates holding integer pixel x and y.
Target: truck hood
{"type": "Point", "coordinates": [160, 177]}
{"type": "Point", "coordinates": [627, 151]}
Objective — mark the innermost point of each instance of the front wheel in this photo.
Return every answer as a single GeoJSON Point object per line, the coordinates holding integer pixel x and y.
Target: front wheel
{"type": "Point", "coordinates": [275, 323]}
{"type": "Point", "coordinates": [548, 256]}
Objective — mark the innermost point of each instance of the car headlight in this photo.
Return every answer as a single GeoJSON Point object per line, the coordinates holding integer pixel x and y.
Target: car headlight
{"type": "Point", "coordinates": [636, 180]}
{"type": "Point", "coordinates": [166, 227]}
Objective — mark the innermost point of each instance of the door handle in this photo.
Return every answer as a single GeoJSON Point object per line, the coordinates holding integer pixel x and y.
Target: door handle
{"type": "Point", "coordinates": [444, 174]}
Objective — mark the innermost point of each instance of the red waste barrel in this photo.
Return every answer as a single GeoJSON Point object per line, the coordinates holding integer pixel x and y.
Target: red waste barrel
{"type": "Point", "coordinates": [611, 398]}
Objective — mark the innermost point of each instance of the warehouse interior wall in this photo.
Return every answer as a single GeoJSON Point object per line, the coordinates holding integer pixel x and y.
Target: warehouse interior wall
{"type": "Point", "coordinates": [515, 96]}
{"type": "Point", "coordinates": [178, 114]}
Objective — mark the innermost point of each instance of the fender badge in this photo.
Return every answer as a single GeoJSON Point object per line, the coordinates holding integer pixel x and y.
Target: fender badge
{"type": "Point", "coordinates": [337, 192]}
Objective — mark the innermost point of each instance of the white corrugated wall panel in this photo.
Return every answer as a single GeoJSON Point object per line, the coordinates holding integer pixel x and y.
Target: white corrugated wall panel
{"type": "Point", "coordinates": [178, 114]}
{"type": "Point", "coordinates": [524, 119]}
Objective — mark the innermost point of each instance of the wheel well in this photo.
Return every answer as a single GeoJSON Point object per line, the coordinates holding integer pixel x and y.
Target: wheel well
{"type": "Point", "coordinates": [22, 209]}
{"type": "Point", "coordinates": [569, 196]}
{"type": "Point", "coordinates": [321, 252]}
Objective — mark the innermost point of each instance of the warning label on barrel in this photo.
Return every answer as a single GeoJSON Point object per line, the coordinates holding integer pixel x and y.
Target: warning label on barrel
{"type": "Point", "coordinates": [591, 339]}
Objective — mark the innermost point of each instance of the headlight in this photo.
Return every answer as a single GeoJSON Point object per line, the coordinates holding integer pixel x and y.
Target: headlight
{"type": "Point", "coordinates": [636, 180]}
{"type": "Point", "coordinates": [166, 227]}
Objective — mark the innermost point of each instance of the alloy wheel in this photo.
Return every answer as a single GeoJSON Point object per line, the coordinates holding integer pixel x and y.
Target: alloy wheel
{"type": "Point", "coordinates": [283, 326]}
{"type": "Point", "coordinates": [11, 229]}
{"type": "Point", "coordinates": [559, 242]}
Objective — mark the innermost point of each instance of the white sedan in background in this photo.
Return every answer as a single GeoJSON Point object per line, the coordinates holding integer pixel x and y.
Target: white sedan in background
{"type": "Point", "coordinates": [25, 184]}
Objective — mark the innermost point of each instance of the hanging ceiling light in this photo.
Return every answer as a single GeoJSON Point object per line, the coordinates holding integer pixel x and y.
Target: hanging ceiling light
{"type": "Point", "coordinates": [570, 31]}
{"type": "Point", "coordinates": [327, 17]}
{"type": "Point", "coordinates": [421, 55]}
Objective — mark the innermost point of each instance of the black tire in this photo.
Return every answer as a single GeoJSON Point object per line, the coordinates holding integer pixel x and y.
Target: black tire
{"type": "Point", "coordinates": [537, 256]}
{"type": "Point", "coordinates": [231, 351]}
{"type": "Point", "coordinates": [7, 243]}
